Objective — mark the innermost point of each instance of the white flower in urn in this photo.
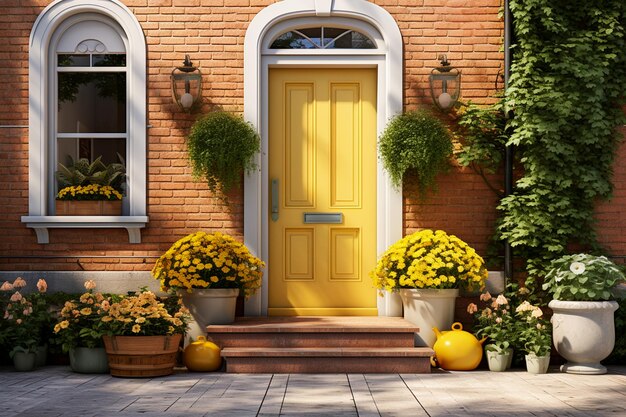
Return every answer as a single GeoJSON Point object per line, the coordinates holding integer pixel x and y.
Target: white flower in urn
{"type": "Point", "coordinates": [577, 268]}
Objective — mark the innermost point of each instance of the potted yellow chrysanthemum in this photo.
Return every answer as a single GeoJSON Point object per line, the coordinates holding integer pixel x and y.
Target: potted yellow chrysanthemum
{"type": "Point", "coordinates": [427, 268]}
{"type": "Point", "coordinates": [209, 270]}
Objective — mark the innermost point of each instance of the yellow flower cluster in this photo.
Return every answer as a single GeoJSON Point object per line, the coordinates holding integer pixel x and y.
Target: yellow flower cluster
{"type": "Point", "coordinates": [209, 260]}
{"type": "Point", "coordinates": [143, 314]}
{"type": "Point", "coordinates": [89, 192]}
{"type": "Point", "coordinates": [429, 259]}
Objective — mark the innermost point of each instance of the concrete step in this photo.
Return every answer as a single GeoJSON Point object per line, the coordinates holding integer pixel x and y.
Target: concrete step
{"type": "Point", "coordinates": [327, 360]}
{"type": "Point", "coordinates": [303, 332]}
{"type": "Point", "coordinates": [320, 345]}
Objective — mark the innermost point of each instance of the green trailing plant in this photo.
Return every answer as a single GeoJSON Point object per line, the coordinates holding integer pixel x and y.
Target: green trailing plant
{"type": "Point", "coordinates": [419, 142]}
{"type": "Point", "coordinates": [221, 147]}
{"type": "Point", "coordinates": [483, 137]}
{"type": "Point", "coordinates": [82, 172]}
{"type": "Point", "coordinates": [568, 81]}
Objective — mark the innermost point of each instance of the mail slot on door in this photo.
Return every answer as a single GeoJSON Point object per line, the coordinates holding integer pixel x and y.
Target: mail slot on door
{"type": "Point", "coordinates": [322, 218]}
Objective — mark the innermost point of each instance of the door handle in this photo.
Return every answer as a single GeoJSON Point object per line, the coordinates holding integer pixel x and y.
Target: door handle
{"type": "Point", "coordinates": [274, 200]}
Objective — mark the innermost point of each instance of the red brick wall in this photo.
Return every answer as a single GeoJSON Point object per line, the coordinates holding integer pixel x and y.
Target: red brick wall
{"type": "Point", "coordinates": [212, 32]}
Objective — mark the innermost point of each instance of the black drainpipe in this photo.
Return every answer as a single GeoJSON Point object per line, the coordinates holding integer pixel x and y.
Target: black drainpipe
{"type": "Point", "coordinates": [508, 159]}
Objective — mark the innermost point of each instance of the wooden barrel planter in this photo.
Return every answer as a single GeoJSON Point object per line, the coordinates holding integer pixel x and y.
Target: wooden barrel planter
{"type": "Point", "coordinates": [142, 356]}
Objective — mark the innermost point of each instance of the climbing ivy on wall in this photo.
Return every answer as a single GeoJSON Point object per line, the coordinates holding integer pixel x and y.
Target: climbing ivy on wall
{"type": "Point", "coordinates": [567, 85]}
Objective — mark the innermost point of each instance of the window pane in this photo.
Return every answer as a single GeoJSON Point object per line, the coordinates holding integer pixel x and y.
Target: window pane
{"type": "Point", "coordinates": [90, 149]}
{"type": "Point", "coordinates": [292, 40]}
{"type": "Point", "coordinates": [315, 34]}
{"type": "Point", "coordinates": [73, 60]}
{"type": "Point", "coordinates": [109, 60]}
{"type": "Point", "coordinates": [360, 41]}
{"type": "Point", "coordinates": [69, 149]}
{"type": "Point", "coordinates": [332, 33]}
{"type": "Point", "coordinates": [92, 102]}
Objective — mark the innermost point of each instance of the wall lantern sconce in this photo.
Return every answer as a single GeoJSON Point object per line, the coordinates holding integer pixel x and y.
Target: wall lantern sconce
{"type": "Point", "coordinates": [186, 85]}
{"type": "Point", "coordinates": [445, 84]}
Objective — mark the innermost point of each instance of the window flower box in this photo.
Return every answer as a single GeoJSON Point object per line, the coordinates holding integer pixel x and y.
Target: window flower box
{"type": "Point", "coordinates": [88, 208]}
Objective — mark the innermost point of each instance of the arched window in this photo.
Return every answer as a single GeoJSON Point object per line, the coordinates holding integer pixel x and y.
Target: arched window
{"type": "Point", "coordinates": [87, 81]}
{"type": "Point", "coordinates": [90, 115]}
{"type": "Point", "coordinates": [322, 38]}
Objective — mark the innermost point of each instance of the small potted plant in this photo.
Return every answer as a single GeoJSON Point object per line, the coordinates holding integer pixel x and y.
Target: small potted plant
{"type": "Point", "coordinates": [209, 270]}
{"type": "Point", "coordinates": [496, 322]}
{"type": "Point", "coordinates": [427, 268]}
{"type": "Point", "coordinates": [79, 330]}
{"type": "Point", "coordinates": [534, 333]}
{"type": "Point", "coordinates": [583, 319]}
{"type": "Point", "coordinates": [221, 148]}
{"type": "Point", "coordinates": [22, 332]}
{"type": "Point", "coordinates": [142, 335]}
{"type": "Point", "coordinates": [90, 188]}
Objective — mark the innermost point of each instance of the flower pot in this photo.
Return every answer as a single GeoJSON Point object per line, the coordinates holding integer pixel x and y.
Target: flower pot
{"type": "Point", "coordinates": [141, 356]}
{"type": "Point", "coordinates": [428, 308]}
{"type": "Point", "coordinates": [583, 333]}
{"type": "Point", "coordinates": [24, 361]}
{"type": "Point", "coordinates": [537, 364]}
{"type": "Point", "coordinates": [88, 208]}
{"type": "Point", "coordinates": [41, 355]}
{"type": "Point", "coordinates": [211, 306]}
{"type": "Point", "coordinates": [499, 361]}
{"type": "Point", "coordinates": [89, 360]}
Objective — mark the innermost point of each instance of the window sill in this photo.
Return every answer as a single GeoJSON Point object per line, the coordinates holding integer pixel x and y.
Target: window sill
{"type": "Point", "coordinates": [41, 224]}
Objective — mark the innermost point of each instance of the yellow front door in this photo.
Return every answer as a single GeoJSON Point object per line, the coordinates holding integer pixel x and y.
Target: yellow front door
{"type": "Point", "coordinates": [322, 226]}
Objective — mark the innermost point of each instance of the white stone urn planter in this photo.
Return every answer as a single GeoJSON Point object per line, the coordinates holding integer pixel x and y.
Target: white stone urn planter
{"type": "Point", "coordinates": [583, 333]}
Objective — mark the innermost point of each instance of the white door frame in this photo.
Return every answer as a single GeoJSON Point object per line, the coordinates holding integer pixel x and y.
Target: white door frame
{"type": "Point", "coordinates": [387, 58]}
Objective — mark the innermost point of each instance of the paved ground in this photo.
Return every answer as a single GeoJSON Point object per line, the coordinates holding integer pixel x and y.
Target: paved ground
{"type": "Point", "coordinates": [56, 391]}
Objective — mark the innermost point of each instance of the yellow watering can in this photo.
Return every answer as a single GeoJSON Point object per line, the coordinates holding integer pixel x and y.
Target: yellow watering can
{"type": "Point", "coordinates": [457, 350]}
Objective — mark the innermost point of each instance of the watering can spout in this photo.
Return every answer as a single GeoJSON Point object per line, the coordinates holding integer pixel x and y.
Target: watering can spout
{"type": "Point", "coordinates": [437, 332]}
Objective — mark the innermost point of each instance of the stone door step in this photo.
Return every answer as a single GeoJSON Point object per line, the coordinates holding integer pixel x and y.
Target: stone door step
{"type": "Point", "coordinates": [327, 360]}
{"type": "Point", "coordinates": [320, 345]}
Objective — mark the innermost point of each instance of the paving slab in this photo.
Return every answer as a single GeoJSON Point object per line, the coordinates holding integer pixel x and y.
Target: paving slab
{"type": "Point", "coordinates": [57, 392]}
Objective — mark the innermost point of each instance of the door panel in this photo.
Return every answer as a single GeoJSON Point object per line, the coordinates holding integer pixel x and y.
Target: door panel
{"type": "Point", "coordinates": [322, 151]}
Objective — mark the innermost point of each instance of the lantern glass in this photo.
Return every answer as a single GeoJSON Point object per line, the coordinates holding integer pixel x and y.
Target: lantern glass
{"type": "Point", "coordinates": [186, 88]}
{"type": "Point", "coordinates": [445, 87]}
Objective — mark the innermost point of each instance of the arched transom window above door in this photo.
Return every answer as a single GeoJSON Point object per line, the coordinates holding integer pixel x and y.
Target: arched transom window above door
{"type": "Point", "coordinates": [323, 37]}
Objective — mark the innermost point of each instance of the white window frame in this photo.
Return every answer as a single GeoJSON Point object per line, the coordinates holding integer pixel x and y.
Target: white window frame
{"type": "Point", "coordinates": [42, 64]}
{"type": "Point", "coordinates": [369, 19]}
